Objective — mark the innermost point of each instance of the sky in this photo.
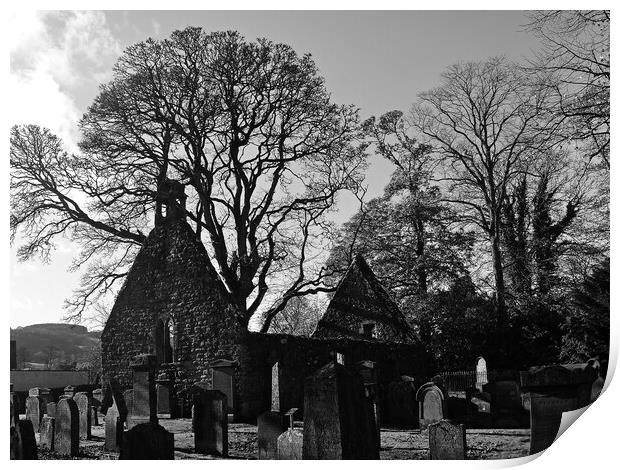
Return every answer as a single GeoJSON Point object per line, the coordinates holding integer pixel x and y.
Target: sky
{"type": "Point", "coordinates": [378, 61]}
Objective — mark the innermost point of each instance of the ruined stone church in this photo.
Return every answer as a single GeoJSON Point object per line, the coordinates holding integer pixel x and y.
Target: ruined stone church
{"type": "Point", "coordinates": [172, 306]}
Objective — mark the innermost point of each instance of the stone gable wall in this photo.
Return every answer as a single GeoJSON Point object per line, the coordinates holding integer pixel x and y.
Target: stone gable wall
{"type": "Point", "coordinates": [169, 277]}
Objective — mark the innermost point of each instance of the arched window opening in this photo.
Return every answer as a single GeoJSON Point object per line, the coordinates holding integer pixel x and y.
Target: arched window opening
{"type": "Point", "coordinates": [165, 340]}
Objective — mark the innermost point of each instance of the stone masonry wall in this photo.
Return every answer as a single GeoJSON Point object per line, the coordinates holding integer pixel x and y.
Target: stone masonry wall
{"type": "Point", "coordinates": [170, 278]}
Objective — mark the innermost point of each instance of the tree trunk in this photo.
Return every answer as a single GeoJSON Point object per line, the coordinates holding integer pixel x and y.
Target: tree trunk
{"type": "Point", "coordinates": [500, 288]}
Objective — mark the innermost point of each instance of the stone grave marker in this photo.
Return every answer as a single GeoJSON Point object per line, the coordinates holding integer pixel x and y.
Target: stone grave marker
{"type": "Point", "coordinates": [46, 432]}
{"type": "Point", "coordinates": [113, 404]}
{"type": "Point", "coordinates": [368, 371]}
{"type": "Point", "coordinates": [275, 387]}
{"type": "Point", "coordinates": [166, 400]}
{"type": "Point", "coordinates": [290, 443]}
{"type": "Point", "coordinates": [270, 425]}
{"type": "Point", "coordinates": [27, 440]}
{"type": "Point", "coordinates": [401, 407]}
{"type": "Point", "coordinates": [35, 410]}
{"type": "Point", "coordinates": [84, 404]}
{"type": "Point", "coordinates": [128, 399]}
{"type": "Point", "coordinates": [147, 441]}
{"type": "Point", "coordinates": [43, 393]}
{"type": "Point", "coordinates": [338, 420]}
{"type": "Point", "coordinates": [553, 390]}
{"type": "Point", "coordinates": [481, 373]}
{"type": "Point", "coordinates": [67, 428]}
{"type": "Point", "coordinates": [223, 379]}
{"type": "Point", "coordinates": [447, 440]}
{"type": "Point", "coordinates": [210, 421]}
{"type": "Point", "coordinates": [144, 402]}
{"type": "Point", "coordinates": [51, 409]}
{"type": "Point", "coordinates": [432, 404]}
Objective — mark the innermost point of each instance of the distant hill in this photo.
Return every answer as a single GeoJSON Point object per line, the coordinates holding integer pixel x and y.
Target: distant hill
{"type": "Point", "coordinates": [53, 342]}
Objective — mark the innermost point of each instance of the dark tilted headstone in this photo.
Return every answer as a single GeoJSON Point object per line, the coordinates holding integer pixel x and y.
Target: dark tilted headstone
{"type": "Point", "coordinates": [46, 433]}
{"type": "Point", "coordinates": [83, 402]}
{"type": "Point", "coordinates": [270, 425]}
{"type": "Point", "coordinates": [447, 440]}
{"type": "Point", "coordinates": [35, 410]}
{"type": "Point", "coordinates": [432, 404]}
{"type": "Point", "coordinates": [27, 440]}
{"type": "Point", "coordinates": [115, 409]}
{"type": "Point", "coordinates": [338, 421]}
{"type": "Point", "coordinates": [128, 398]}
{"type": "Point", "coordinates": [401, 407]}
{"type": "Point", "coordinates": [67, 428]}
{"type": "Point", "coordinates": [144, 403]}
{"type": "Point", "coordinates": [147, 441]}
{"type": "Point", "coordinates": [368, 371]}
{"type": "Point", "coordinates": [69, 391]}
{"type": "Point", "coordinates": [51, 409]}
{"type": "Point", "coordinates": [553, 390]}
{"type": "Point", "coordinates": [210, 421]}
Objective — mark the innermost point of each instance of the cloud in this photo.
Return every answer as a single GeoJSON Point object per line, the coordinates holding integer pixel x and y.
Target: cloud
{"type": "Point", "coordinates": [58, 59]}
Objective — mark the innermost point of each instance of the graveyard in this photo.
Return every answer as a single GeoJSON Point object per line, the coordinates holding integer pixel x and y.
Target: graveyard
{"type": "Point", "coordinates": [276, 271]}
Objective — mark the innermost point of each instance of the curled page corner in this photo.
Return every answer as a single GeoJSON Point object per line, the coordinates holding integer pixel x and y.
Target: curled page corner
{"type": "Point", "coordinates": [568, 418]}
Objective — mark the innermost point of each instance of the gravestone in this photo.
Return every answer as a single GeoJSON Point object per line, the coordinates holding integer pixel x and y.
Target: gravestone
{"type": "Point", "coordinates": [507, 407]}
{"type": "Point", "coordinates": [270, 425]}
{"type": "Point", "coordinates": [290, 443]}
{"type": "Point", "coordinates": [144, 401]}
{"type": "Point", "coordinates": [113, 404]}
{"type": "Point", "coordinates": [275, 388]}
{"type": "Point", "coordinates": [166, 400]}
{"type": "Point", "coordinates": [96, 405]}
{"type": "Point", "coordinates": [84, 404]}
{"type": "Point", "coordinates": [51, 410]}
{"type": "Point", "coordinates": [46, 433]}
{"type": "Point", "coordinates": [553, 390]}
{"type": "Point", "coordinates": [481, 373]}
{"type": "Point", "coordinates": [67, 428]}
{"type": "Point", "coordinates": [43, 393]}
{"type": "Point", "coordinates": [432, 404]}
{"type": "Point", "coordinates": [15, 445]}
{"type": "Point", "coordinates": [338, 419]}
{"type": "Point", "coordinates": [401, 407]}
{"type": "Point", "coordinates": [128, 399]}
{"type": "Point", "coordinates": [368, 371]}
{"type": "Point", "coordinates": [147, 441]}
{"type": "Point", "coordinates": [210, 421]}
{"type": "Point", "coordinates": [27, 440]}
{"type": "Point", "coordinates": [447, 440]}
{"type": "Point", "coordinates": [35, 410]}
{"type": "Point", "coordinates": [14, 409]}
{"type": "Point", "coordinates": [223, 378]}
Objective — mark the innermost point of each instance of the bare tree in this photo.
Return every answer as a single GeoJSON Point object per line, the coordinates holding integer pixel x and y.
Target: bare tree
{"type": "Point", "coordinates": [574, 64]}
{"type": "Point", "coordinates": [248, 127]}
{"type": "Point", "coordinates": [485, 122]}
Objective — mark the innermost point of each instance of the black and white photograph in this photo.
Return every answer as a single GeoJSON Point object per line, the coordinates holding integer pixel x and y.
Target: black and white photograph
{"type": "Point", "coordinates": [306, 234]}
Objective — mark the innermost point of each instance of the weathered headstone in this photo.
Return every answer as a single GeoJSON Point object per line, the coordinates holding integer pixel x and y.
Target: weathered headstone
{"type": "Point", "coordinates": [290, 443]}
{"type": "Point", "coordinates": [432, 404]}
{"type": "Point", "coordinates": [368, 371]}
{"type": "Point", "coordinates": [144, 404]}
{"type": "Point", "coordinates": [41, 392]}
{"type": "Point", "coordinates": [128, 399]}
{"type": "Point", "coordinates": [147, 441]}
{"type": "Point", "coordinates": [401, 407]}
{"type": "Point", "coordinates": [447, 441]}
{"type": "Point", "coordinates": [210, 421]}
{"type": "Point", "coordinates": [83, 402]}
{"type": "Point", "coordinates": [275, 387]}
{"type": "Point", "coordinates": [552, 391]}
{"type": "Point", "coordinates": [113, 404]}
{"type": "Point", "coordinates": [51, 409]}
{"type": "Point", "coordinates": [481, 373]}
{"type": "Point", "coordinates": [96, 405]}
{"type": "Point", "coordinates": [166, 400]}
{"type": "Point", "coordinates": [338, 420]}
{"type": "Point", "coordinates": [67, 428]}
{"type": "Point", "coordinates": [223, 378]}
{"type": "Point", "coordinates": [27, 440]}
{"type": "Point", "coordinates": [270, 425]}
{"type": "Point", "coordinates": [35, 410]}
{"type": "Point", "coordinates": [46, 433]}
